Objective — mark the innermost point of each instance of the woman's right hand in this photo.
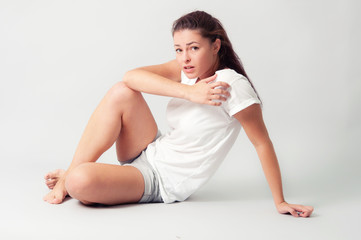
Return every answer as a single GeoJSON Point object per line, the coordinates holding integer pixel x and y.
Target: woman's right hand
{"type": "Point", "coordinates": [206, 92]}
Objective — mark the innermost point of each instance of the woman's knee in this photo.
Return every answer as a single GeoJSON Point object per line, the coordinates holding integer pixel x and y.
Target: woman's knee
{"type": "Point", "coordinates": [120, 94]}
{"type": "Point", "coordinates": [80, 181]}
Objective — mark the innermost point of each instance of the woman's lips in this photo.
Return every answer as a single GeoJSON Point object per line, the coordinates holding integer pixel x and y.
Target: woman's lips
{"type": "Point", "coordinates": [188, 69]}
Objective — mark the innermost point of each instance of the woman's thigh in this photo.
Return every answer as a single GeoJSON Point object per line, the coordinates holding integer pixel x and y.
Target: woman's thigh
{"type": "Point", "coordinates": [105, 183]}
{"type": "Point", "coordinates": [138, 127]}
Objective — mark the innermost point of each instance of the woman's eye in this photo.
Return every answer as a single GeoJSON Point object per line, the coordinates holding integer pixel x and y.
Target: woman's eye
{"type": "Point", "coordinates": [178, 50]}
{"type": "Point", "coordinates": [195, 48]}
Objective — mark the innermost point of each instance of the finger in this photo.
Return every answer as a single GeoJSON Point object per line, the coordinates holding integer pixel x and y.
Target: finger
{"type": "Point", "coordinates": [220, 84]}
{"type": "Point", "coordinates": [307, 211]}
{"type": "Point", "coordinates": [213, 103]}
{"type": "Point", "coordinates": [302, 208]}
{"type": "Point", "coordinates": [310, 208]}
{"type": "Point", "coordinates": [292, 211]}
{"type": "Point", "coordinates": [209, 79]}
{"type": "Point", "coordinates": [218, 97]}
{"type": "Point", "coordinates": [220, 91]}
{"type": "Point", "coordinates": [305, 214]}
{"type": "Point", "coordinates": [303, 211]}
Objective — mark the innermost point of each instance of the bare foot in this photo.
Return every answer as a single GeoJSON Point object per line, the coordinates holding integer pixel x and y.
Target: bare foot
{"type": "Point", "coordinates": [56, 181]}
{"type": "Point", "coordinates": [51, 178]}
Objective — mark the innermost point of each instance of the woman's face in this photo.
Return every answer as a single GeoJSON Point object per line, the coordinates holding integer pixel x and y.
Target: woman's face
{"type": "Point", "coordinates": [195, 54]}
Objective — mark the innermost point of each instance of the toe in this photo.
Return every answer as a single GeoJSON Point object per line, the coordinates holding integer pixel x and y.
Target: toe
{"type": "Point", "coordinates": [51, 182]}
{"type": "Point", "coordinates": [46, 198]}
{"type": "Point", "coordinates": [51, 175]}
{"type": "Point", "coordinates": [54, 174]}
{"type": "Point", "coordinates": [48, 176]}
{"type": "Point", "coordinates": [56, 200]}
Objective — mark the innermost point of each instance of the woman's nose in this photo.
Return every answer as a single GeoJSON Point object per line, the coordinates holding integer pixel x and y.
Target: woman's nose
{"type": "Point", "coordinates": [186, 57]}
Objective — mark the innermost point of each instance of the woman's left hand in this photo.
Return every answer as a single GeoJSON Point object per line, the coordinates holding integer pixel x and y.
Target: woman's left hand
{"type": "Point", "coordinates": [294, 209]}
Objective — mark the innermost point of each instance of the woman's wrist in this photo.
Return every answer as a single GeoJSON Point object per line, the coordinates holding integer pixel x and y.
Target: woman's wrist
{"type": "Point", "coordinates": [185, 92]}
{"type": "Point", "coordinates": [279, 200]}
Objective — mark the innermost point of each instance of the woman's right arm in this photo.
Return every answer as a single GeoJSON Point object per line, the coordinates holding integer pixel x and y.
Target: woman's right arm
{"type": "Point", "coordinates": [165, 80]}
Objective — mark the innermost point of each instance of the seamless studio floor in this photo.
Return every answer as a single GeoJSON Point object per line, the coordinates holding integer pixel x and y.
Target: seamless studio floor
{"type": "Point", "coordinates": [59, 58]}
{"type": "Point", "coordinates": [220, 210]}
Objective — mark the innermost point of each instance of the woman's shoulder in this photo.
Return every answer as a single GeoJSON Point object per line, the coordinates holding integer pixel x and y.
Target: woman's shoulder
{"type": "Point", "coordinates": [229, 75]}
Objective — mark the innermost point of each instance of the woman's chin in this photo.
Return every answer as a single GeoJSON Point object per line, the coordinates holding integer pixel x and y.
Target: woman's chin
{"type": "Point", "coordinates": [191, 75]}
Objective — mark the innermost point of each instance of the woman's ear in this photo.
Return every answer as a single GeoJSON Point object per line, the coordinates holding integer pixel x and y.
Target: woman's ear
{"type": "Point", "coordinates": [216, 46]}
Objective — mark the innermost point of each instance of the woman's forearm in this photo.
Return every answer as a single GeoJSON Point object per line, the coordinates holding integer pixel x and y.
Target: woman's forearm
{"type": "Point", "coordinates": [267, 156]}
{"type": "Point", "coordinates": [148, 82]}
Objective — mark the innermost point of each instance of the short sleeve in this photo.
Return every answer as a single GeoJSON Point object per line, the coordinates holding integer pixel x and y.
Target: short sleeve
{"type": "Point", "coordinates": [242, 96]}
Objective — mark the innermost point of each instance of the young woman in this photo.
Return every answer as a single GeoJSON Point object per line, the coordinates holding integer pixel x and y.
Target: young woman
{"type": "Point", "coordinates": [213, 98]}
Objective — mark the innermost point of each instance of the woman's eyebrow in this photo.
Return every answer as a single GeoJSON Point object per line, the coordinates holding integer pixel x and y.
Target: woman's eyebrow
{"type": "Point", "coordinates": [177, 45]}
{"type": "Point", "coordinates": [192, 43]}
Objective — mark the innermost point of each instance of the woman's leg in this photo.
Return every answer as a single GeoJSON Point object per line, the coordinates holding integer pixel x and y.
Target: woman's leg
{"type": "Point", "coordinates": [105, 183]}
{"type": "Point", "coordinates": [122, 116]}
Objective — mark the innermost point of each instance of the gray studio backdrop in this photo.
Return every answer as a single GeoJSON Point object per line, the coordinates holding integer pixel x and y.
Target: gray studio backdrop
{"type": "Point", "coordinates": [58, 58]}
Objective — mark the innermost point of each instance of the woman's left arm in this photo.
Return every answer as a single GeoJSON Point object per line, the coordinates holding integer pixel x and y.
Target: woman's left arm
{"type": "Point", "coordinates": [252, 122]}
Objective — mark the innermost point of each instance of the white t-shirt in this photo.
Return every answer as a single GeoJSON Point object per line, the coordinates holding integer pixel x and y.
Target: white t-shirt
{"type": "Point", "coordinates": [199, 139]}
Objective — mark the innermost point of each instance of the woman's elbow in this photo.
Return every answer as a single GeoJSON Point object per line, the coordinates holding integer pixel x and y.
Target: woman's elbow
{"type": "Point", "coordinates": [265, 141]}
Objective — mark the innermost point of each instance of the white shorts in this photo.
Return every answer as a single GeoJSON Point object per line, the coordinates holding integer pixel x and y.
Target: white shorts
{"type": "Point", "coordinates": [151, 182]}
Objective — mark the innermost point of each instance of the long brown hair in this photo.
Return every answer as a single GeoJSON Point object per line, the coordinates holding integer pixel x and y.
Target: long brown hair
{"type": "Point", "coordinates": [211, 28]}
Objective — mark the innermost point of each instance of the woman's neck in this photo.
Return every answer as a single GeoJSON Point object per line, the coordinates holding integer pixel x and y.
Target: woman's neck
{"type": "Point", "coordinates": [211, 71]}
